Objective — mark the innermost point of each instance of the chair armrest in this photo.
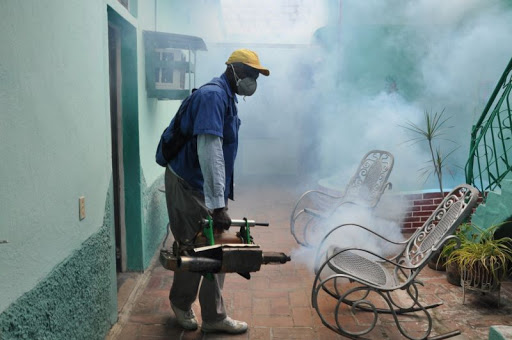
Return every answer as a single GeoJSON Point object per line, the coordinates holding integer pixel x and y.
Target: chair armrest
{"type": "Point", "coordinates": [305, 195]}
{"type": "Point", "coordinates": [307, 206]}
{"type": "Point", "coordinates": [316, 213]}
{"type": "Point", "coordinates": [445, 240]}
{"type": "Point", "coordinates": [362, 227]}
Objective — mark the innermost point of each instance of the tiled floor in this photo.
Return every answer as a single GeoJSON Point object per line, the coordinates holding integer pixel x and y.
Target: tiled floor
{"type": "Point", "coordinates": [276, 301]}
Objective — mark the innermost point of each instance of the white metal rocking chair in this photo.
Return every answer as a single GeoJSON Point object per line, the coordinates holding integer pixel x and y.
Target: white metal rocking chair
{"type": "Point", "coordinates": [364, 189]}
{"type": "Point", "coordinates": [374, 278]}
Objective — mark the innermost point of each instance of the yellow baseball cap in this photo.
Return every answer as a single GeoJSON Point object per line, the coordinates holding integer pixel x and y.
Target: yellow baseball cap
{"type": "Point", "coordinates": [248, 58]}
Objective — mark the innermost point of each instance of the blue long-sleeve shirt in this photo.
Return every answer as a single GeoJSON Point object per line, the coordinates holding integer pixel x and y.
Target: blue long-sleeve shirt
{"type": "Point", "coordinates": [211, 111]}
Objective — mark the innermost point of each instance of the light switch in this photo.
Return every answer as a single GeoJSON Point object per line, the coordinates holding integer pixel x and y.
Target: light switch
{"type": "Point", "coordinates": [81, 207]}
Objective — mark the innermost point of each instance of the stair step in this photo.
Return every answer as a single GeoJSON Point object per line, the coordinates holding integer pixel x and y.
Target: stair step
{"type": "Point", "coordinates": [497, 203]}
{"type": "Point", "coordinates": [506, 186]}
{"type": "Point", "coordinates": [497, 207]}
{"type": "Point", "coordinates": [500, 332]}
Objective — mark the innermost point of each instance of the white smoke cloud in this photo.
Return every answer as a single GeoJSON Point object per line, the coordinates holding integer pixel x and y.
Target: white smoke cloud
{"type": "Point", "coordinates": [348, 74]}
{"type": "Point", "coordinates": [353, 236]}
{"type": "Point", "coordinates": [438, 55]}
{"type": "Point", "coordinates": [334, 66]}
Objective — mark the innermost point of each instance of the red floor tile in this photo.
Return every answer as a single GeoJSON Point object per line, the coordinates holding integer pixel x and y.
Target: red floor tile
{"type": "Point", "coordinates": [276, 302]}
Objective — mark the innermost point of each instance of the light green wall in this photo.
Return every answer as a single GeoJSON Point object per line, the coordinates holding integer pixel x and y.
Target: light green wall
{"type": "Point", "coordinates": [55, 139]}
{"type": "Point", "coordinates": [77, 300]}
{"type": "Point", "coordinates": [54, 135]}
{"type": "Point", "coordinates": [154, 115]}
{"type": "Point", "coordinates": [200, 18]}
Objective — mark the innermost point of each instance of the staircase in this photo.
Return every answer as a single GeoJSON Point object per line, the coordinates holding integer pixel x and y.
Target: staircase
{"type": "Point", "coordinates": [490, 154]}
{"type": "Point", "coordinates": [489, 165]}
{"type": "Point", "coordinates": [489, 168]}
{"type": "Point", "coordinates": [497, 206]}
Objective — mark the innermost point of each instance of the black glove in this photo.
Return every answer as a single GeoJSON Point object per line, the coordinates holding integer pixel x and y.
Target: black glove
{"type": "Point", "coordinates": [221, 219]}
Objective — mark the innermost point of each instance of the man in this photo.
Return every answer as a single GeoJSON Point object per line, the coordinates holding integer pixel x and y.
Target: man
{"type": "Point", "coordinates": [199, 181]}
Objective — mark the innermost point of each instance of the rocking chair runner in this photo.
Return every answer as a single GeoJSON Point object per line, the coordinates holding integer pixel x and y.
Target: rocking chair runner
{"type": "Point", "coordinates": [364, 189]}
{"type": "Point", "coordinates": [370, 273]}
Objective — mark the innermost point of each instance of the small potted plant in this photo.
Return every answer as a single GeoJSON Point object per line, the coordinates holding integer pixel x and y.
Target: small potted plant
{"type": "Point", "coordinates": [451, 268]}
{"type": "Point", "coordinates": [483, 261]}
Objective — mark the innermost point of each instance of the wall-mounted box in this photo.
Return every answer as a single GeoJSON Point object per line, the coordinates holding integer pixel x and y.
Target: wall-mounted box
{"type": "Point", "coordinates": [170, 64]}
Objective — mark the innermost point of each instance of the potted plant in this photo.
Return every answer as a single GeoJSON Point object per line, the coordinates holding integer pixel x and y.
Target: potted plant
{"type": "Point", "coordinates": [451, 268]}
{"type": "Point", "coordinates": [483, 260]}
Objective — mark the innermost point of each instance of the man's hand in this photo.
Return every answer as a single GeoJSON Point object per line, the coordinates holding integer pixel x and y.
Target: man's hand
{"type": "Point", "coordinates": [221, 219]}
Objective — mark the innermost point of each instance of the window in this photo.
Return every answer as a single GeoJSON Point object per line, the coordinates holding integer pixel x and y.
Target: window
{"type": "Point", "coordinates": [170, 64]}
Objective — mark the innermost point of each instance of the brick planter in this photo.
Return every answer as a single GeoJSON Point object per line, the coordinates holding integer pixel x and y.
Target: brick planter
{"type": "Point", "coordinates": [412, 208]}
{"type": "Point", "coordinates": [419, 208]}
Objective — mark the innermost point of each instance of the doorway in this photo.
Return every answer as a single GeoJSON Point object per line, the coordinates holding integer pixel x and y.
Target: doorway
{"type": "Point", "coordinates": [116, 116]}
{"type": "Point", "coordinates": [126, 166]}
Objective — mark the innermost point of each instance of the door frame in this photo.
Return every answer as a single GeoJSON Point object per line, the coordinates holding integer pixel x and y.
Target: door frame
{"type": "Point", "coordinates": [128, 148]}
{"type": "Point", "coordinates": [116, 122]}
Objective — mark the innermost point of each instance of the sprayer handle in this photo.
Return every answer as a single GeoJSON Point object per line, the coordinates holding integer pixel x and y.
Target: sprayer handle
{"type": "Point", "coordinates": [240, 223]}
{"type": "Point", "coordinates": [251, 223]}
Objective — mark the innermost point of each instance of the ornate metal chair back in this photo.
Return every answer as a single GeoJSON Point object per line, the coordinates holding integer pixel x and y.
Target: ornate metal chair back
{"type": "Point", "coordinates": [451, 212]}
{"type": "Point", "coordinates": [371, 179]}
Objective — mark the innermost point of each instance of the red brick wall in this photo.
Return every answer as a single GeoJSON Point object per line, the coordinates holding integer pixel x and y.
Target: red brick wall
{"type": "Point", "coordinates": [419, 208]}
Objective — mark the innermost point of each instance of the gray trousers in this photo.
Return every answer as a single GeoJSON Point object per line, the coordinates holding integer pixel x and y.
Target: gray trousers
{"type": "Point", "coordinates": [186, 209]}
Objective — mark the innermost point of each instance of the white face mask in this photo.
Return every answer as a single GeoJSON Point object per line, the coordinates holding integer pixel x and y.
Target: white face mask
{"type": "Point", "coordinates": [246, 86]}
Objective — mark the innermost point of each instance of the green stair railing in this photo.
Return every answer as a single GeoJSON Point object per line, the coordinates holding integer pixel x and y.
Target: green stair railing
{"type": "Point", "coordinates": [490, 153]}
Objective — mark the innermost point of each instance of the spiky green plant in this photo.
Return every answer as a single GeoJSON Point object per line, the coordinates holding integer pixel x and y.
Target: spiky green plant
{"type": "Point", "coordinates": [435, 125]}
{"type": "Point", "coordinates": [478, 246]}
{"type": "Point", "coordinates": [451, 245]}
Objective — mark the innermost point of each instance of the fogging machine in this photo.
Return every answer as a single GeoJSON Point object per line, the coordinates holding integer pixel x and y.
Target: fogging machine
{"type": "Point", "coordinates": [221, 253]}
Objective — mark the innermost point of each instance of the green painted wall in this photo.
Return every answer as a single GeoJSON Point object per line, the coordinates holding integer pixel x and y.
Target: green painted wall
{"type": "Point", "coordinates": [77, 300]}
{"type": "Point", "coordinates": [143, 121]}
{"type": "Point", "coordinates": [154, 116]}
{"type": "Point", "coordinates": [55, 147]}
{"type": "Point", "coordinates": [202, 18]}
{"type": "Point", "coordinates": [155, 218]}
{"type": "Point", "coordinates": [54, 135]}
{"type": "Point", "coordinates": [55, 144]}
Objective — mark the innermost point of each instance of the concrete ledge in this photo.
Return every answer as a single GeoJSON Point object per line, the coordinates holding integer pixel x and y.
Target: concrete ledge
{"type": "Point", "coordinates": [500, 332]}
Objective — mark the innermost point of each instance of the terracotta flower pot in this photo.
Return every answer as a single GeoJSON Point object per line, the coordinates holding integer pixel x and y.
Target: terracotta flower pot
{"type": "Point", "coordinates": [453, 273]}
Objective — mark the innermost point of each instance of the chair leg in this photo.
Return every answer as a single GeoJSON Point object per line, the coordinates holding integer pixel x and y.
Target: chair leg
{"type": "Point", "coordinates": [337, 326]}
{"type": "Point", "coordinates": [398, 310]}
{"type": "Point", "coordinates": [445, 335]}
{"type": "Point", "coordinates": [463, 293]}
{"type": "Point", "coordinates": [363, 305]}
